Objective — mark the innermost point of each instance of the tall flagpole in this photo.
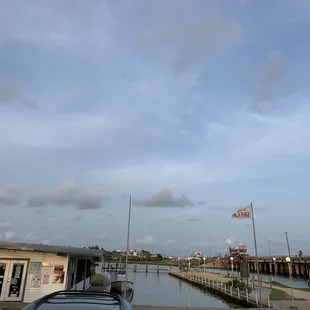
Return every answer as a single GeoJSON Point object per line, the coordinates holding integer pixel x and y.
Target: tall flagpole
{"type": "Point", "coordinates": [256, 255]}
{"type": "Point", "coordinates": [127, 251]}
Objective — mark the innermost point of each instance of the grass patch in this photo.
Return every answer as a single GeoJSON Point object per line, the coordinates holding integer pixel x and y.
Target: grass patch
{"type": "Point", "coordinates": [277, 294]}
{"type": "Point", "coordinates": [97, 280]}
{"type": "Point", "coordinates": [294, 288]}
{"type": "Point", "coordinates": [279, 284]}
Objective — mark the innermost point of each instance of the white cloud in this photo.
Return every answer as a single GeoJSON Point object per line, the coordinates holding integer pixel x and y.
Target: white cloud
{"type": "Point", "coordinates": [9, 235]}
{"type": "Point", "coordinates": [9, 196]}
{"type": "Point", "coordinates": [147, 240]}
{"type": "Point", "coordinates": [4, 225]}
{"type": "Point", "coordinates": [29, 237]}
{"type": "Point", "coordinates": [230, 240]}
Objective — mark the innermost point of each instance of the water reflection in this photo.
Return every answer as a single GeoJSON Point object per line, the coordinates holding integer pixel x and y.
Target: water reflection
{"type": "Point", "coordinates": [160, 289]}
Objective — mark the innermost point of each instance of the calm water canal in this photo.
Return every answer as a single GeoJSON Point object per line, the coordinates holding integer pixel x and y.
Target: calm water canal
{"type": "Point", "coordinates": [160, 289]}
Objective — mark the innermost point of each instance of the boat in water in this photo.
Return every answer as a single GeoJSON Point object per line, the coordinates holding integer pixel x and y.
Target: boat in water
{"type": "Point", "coordinates": [123, 288]}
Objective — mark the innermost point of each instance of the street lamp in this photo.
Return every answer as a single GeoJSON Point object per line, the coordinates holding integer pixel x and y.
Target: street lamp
{"type": "Point", "coordinates": [232, 270]}
{"type": "Point", "coordinates": [275, 269]}
{"type": "Point", "coordinates": [204, 264]}
{"type": "Point", "coordinates": [218, 265]}
{"type": "Point", "coordinates": [179, 262]}
{"type": "Point", "coordinates": [288, 260]}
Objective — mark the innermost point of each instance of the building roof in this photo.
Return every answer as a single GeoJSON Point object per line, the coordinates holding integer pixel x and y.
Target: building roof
{"type": "Point", "coordinates": [46, 248]}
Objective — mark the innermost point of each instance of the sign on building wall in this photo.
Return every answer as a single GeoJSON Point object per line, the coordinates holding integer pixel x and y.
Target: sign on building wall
{"type": "Point", "coordinates": [35, 268]}
{"type": "Point", "coordinates": [59, 274]}
{"type": "Point", "coordinates": [46, 279]}
{"type": "Point", "coordinates": [36, 280]}
{"type": "Point", "coordinates": [48, 264]}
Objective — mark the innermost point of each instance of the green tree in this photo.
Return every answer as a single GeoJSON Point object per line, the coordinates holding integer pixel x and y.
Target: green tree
{"type": "Point", "coordinates": [145, 254]}
{"type": "Point", "coordinates": [159, 257]}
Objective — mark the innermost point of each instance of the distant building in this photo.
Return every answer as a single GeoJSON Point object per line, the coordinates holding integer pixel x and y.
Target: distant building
{"type": "Point", "coordinates": [197, 255]}
{"type": "Point", "coordinates": [133, 253]}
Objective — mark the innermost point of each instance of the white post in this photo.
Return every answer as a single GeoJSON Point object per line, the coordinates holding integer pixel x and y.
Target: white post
{"type": "Point", "coordinates": [231, 291]}
{"type": "Point", "coordinates": [288, 260]}
{"type": "Point", "coordinates": [238, 293]}
{"type": "Point", "coordinates": [256, 298]}
{"type": "Point", "coordinates": [256, 255]}
{"type": "Point", "coordinates": [268, 300]}
{"type": "Point", "coordinates": [128, 239]}
{"type": "Point", "coordinates": [247, 295]}
{"type": "Point", "coordinates": [225, 288]}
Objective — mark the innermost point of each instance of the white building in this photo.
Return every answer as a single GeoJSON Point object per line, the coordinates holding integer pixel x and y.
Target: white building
{"type": "Point", "coordinates": [132, 253]}
{"type": "Point", "coordinates": [30, 271]}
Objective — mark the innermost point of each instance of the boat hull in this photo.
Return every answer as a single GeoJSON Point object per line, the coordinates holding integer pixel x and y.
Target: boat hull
{"type": "Point", "coordinates": [123, 289]}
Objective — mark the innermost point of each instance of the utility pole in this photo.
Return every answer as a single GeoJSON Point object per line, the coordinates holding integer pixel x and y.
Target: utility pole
{"type": "Point", "coordinates": [210, 254]}
{"type": "Point", "coordinates": [270, 265]}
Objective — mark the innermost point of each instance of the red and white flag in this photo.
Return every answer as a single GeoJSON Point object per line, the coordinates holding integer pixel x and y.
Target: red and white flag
{"type": "Point", "coordinates": [243, 213]}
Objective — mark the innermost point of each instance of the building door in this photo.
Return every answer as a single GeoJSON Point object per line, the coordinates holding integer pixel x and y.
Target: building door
{"type": "Point", "coordinates": [13, 276]}
{"type": "Point", "coordinates": [4, 265]}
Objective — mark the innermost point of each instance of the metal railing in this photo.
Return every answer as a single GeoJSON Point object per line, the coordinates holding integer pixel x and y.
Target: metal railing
{"type": "Point", "coordinates": [220, 286]}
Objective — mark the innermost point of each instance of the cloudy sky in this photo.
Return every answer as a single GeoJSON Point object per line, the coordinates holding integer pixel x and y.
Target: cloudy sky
{"type": "Point", "coordinates": [195, 108]}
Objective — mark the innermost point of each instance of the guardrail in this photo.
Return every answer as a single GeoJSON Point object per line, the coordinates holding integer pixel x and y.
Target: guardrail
{"type": "Point", "coordinates": [222, 289]}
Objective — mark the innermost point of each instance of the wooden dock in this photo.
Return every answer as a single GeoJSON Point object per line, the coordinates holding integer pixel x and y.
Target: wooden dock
{"type": "Point", "coordinates": [221, 289]}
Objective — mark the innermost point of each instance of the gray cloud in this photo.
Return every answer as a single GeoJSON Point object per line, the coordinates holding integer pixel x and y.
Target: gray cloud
{"type": "Point", "coordinates": [201, 203]}
{"type": "Point", "coordinates": [194, 219]}
{"type": "Point", "coordinates": [9, 196]}
{"type": "Point", "coordinates": [5, 225]}
{"type": "Point", "coordinates": [164, 198]}
{"type": "Point", "coordinates": [68, 195]}
{"type": "Point", "coordinates": [173, 32]}
{"type": "Point", "coordinates": [11, 94]}
{"type": "Point", "coordinates": [273, 82]}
